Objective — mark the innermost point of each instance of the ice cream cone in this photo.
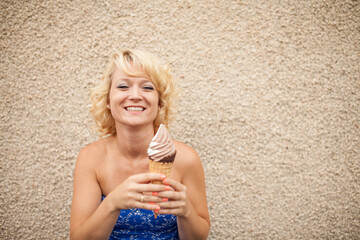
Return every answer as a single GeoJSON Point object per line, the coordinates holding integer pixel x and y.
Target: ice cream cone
{"type": "Point", "coordinates": [159, 167]}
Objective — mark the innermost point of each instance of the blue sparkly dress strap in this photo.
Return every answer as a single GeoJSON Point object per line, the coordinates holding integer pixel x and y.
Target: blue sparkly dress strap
{"type": "Point", "coordinates": [137, 223]}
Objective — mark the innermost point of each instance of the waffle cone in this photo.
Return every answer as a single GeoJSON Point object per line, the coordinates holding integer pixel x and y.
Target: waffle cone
{"type": "Point", "coordinates": [159, 167]}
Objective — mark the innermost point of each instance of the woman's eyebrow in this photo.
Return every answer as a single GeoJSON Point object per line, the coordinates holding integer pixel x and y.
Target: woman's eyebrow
{"type": "Point", "coordinates": [128, 79]}
{"type": "Point", "coordinates": [123, 78]}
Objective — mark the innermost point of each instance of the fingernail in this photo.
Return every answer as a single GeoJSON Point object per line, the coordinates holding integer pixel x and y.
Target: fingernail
{"type": "Point", "coordinates": [154, 193]}
{"type": "Point", "coordinates": [164, 181]}
{"type": "Point", "coordinates": [152, 203]}
{"type": "Point", "coordinates": [165, 199]}
{"type": "Point", "coordinates": [168, 188]}
{"type": "Point", "coordinates": [157, 208]}
{"type": "Point", "coordinates": [156, 211]}
{"type": "Point", "coordinates": [163, 176]}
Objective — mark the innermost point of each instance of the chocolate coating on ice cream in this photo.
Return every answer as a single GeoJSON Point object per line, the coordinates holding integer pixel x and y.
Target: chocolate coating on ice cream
{"type": "Point", "coordinates": [161, 148]}
{"type": "Point", "coordinates": [166, 159]}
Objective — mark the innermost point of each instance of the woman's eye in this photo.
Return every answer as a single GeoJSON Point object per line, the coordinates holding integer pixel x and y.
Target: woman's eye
{"type": "Point", "coordinates": [148, 88]}
{"type": "Point", "coordinates": [122, 86]}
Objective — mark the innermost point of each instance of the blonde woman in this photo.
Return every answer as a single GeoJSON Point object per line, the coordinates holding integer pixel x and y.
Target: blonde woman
{"type": "Point", "coordinates": [111, 197]}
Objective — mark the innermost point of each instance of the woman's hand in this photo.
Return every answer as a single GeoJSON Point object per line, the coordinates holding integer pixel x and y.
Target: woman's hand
{"type": "Point", "coordinates": [174, 201]}
{"type": "Point", "coordinates": [134, 192]}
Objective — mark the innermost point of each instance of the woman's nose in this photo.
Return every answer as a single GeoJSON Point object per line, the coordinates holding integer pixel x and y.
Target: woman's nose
{"type": "Point", "coordinates": [135, 93]}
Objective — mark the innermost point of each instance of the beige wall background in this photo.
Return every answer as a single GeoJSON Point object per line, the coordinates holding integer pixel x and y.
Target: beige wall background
{"type": "Point", "coordinates": [270, 100]}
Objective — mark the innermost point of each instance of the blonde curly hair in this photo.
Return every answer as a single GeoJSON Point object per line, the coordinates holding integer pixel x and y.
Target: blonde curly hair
{"type": "Point", "coordinates": [129, 61]}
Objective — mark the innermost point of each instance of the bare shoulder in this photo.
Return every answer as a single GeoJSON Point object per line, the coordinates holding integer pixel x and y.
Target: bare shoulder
{"type": "Point", "coordinates": [185, 150]}
{"type": "Point", "coordinates": [186, 157]}
{"type": "Point", "coordinates": [91, 153]}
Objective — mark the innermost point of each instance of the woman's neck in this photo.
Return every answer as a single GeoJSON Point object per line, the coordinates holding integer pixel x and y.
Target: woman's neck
{"type": "Point", "coordinates": [132, 142]}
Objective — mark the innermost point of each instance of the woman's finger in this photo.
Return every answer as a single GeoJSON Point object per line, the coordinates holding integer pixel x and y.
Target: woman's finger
{"type": "Point", "coordinates": [147, 177]}
{"type": "Point", "coordinates": [171, 204]}
{"type": "Point", "coordinates": [152, 188]}
{"type": "Point", "coordinates": [174, 184]}
{"type": "Point", "coordinates": [147, 206]}
{"type": "Point", "coordinates": [173, 211]}
{"type": "Point", "coordinates": [172, 195]}
{"type": "Point", "coordinates": [169, 194]}
{"type": "Point", "coordinates": [145, 198]}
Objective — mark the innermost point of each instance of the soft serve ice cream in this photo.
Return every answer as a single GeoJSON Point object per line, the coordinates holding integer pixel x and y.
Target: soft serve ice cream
{"type": "Point", "coordinates": [161, 148]}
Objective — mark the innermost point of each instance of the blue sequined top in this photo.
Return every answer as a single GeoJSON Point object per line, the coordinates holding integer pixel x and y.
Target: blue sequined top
{"type": "Point", "coordinates": [139, 223]}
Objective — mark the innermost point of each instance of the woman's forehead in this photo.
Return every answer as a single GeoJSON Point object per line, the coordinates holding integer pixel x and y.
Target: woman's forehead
{"type": "Point", "coordinates": [138, 73]}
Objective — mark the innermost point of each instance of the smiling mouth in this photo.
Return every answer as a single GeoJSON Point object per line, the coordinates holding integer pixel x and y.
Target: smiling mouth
{"type": "Point", "coordinates": [134, 109]}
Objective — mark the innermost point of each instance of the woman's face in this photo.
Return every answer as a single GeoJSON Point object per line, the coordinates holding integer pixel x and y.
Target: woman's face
{"type": "Point", "coordinates": [133, 101]}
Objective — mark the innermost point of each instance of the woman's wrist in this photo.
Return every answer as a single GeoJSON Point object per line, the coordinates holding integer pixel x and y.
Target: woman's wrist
{"type": "Point", "coordinates": [188, 210]}
{"type": "Point", "coordinates": [110, 206]}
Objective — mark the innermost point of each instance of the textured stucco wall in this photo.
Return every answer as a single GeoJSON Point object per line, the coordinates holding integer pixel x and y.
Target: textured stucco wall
{"type": "Point", "coordinates": [270, 100]}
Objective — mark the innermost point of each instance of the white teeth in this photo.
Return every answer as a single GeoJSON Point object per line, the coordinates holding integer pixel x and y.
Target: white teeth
{"type": "Point", "coordinates": [137, 109]}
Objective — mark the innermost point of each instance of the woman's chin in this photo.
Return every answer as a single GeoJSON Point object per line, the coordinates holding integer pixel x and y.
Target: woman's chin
{"type": "Point", "coordinates": [135, 124]}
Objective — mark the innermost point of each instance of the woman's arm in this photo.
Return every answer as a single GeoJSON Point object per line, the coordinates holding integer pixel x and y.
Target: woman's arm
{"type": "Point", "coordinates": [92, 218]}
{"type": "Point", "coordinates": [188, 201]}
